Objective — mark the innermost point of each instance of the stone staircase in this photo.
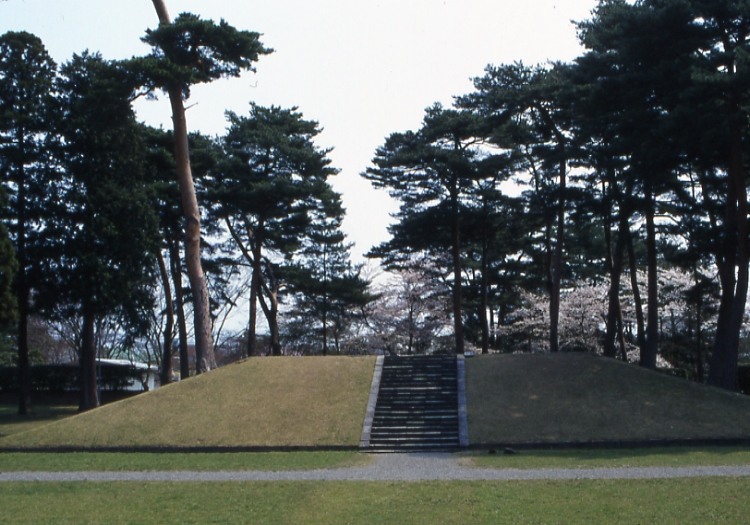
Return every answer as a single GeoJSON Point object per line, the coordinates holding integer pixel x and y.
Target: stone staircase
{"type": "Point", "coordinates": [417, 405]}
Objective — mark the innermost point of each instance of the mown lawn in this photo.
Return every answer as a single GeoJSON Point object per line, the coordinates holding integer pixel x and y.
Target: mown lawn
{"type": "Point", "coordinates": [622, 502]}
{"type": "Point", "coordinates": [196, 461]}
{"type": "Point", "coordinates": [275, 461]}
{"type": "Point", "coordinates": [643, 457]}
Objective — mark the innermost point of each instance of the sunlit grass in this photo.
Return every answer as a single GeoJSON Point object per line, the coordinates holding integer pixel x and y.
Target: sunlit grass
{"type": "Point", "coordinates": [139, 461]}
{"type": "Point", "coordinates": [601, 502]}
{"type": "Point", "coordinates": [271, 401]}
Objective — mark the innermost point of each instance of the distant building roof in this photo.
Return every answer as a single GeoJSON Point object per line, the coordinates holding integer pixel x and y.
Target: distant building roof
{"type": "Point", "coordinates": [127, 362]}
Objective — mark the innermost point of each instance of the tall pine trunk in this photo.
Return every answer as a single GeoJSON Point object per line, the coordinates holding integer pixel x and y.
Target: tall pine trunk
{"type": "Point", "coordinates": [271, 289]}
{"type": "Point", "coordinates": [458, 328]}
{"type": "Point", "coordinates": [648, 354]}
{"type": "Point", "coordinates": [556, 269]}
{"type": "Point", "coordinates": [493, 332]}
{"type": "Point", "coordinates": [89, 390]}
{"type": "Point", "coordinates": [201, 311]}
{"type": "Point", "coordinates": [616, 265]}
{"type": "Point", "coordinates": [176, 268]}
{"type": "Point", "coordinates": [325, 300]}
{"type": "Point", "coordinates": [614, 312]}
{"type": "Point", "coordinates": [485, 300]}
{"type": "Point", "coordinates": [166, 359]}
{"type": "Point", "coordinates": [252, 317]}
{"type": "Point", "coordinates": [24, 379]}
{"type": "Point", "coordinates": [699, 372]}
{"type": "Point", "coordinates": [501, 316]}
{"type": "Point", "coordinates": [724, 361]}
{"type": "Point", "coordinates": [637, 302]}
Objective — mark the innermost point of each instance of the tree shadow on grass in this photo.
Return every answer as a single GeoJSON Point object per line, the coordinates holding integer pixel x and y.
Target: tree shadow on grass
{"type": "Point", "coordinates": [12, 423]}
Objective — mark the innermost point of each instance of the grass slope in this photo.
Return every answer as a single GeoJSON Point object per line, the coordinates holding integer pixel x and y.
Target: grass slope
{"type": "Point", "coordinates": [272, 401]}
{"type": "Point", "coordinates": [579, 397]}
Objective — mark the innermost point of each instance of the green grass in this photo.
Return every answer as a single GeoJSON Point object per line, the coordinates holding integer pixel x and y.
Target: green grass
{"type": "Point", "coordinates": [524, 459]}
{"type": "Point", "coordinates": [624, 502]}
{"type": "Point", "coordinates": [578, 397]}
{"type": "Point", "coordinates": [12, 423]}
{"type": "Point", "coordinates": [271, 401]}
{"type": "Point", "coordinates": [115, 461]}
{"type": "Point", "coordinates": [647, 457]}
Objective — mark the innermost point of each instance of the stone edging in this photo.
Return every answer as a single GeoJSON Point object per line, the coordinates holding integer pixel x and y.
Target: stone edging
{"type": "Point", "coordinates": [364, 442]}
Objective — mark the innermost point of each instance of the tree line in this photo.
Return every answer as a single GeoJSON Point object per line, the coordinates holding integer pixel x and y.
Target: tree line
{"type": "Point", "coordinates": [596, 205]}
{"type": "Point", "coordinates": [550, 180]}
{"type": "Point", "coordinates": [101, 215]}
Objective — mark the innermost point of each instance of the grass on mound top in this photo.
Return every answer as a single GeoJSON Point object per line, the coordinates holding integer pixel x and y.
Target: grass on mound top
{"type": "Point", "coordinates": [580, 397]}
{"type": "Point", "coordinates": [271, 401]}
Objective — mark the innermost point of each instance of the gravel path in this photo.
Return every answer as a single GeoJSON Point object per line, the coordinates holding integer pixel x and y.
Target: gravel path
{"type": "Point", "coordinates": [390, 467]}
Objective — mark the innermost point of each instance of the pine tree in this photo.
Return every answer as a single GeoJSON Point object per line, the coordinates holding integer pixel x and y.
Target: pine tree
{"type": "Point", "coordinates": [536, 101]}
{"type": "Point", "coordinates": [100, 237]}
{"type": "Point", "coordinates": [271, 181]}
{"type": "Point", "coordinates": [430, 171]}
{"type": "Point", "coordinates": [186, 52]}
{"type": "Point", "coordinates": [328, 290]}
{"type": "Point", "coordinates": [26, 76]}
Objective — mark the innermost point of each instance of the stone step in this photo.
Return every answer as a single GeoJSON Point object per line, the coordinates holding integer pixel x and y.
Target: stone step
{"type": "Point", "coordinates": [413, 401]}
{"type": "Point", "coordinates": [434, 435]}
{"type": "Point", "coordinates": [417, 405]}
{"type": "Point", "coordinates": [413, 438]}
{"type": "Point", "coordinates": [409, 428]}
{"type": "Point", "coordinates": [417, 399]}
{"type": "Point", "coordinates": [407, 410]}
{"type": "Point", "coordinates": [414, 412]}
{"type": "Point", "coordinates": [412, 447]}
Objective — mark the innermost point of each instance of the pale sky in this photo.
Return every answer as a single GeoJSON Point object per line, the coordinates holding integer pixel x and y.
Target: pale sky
{"type": "Point", "coordinates": [362, 69]}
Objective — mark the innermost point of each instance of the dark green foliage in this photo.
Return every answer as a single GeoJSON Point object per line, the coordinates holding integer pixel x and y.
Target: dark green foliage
{"type": "Point", "coordinates": [26, 77]}
{"type": "Point", "coordinates": [187, 52]}
{"type": "Point", "coordinates": [191, 50]}
{"type": "Point", "coordinates": [269, 190]}
{"type": "Point", "coordinates": [100, 235]}
{"type": "Point", "coordinates": [328, 291]}
{"type": "Point", "coordinates": [670, 81]}
{"type": "Point", "coordinates": [633, 157]}
{"type": "Point", "coordinates": [432, 171]}
{"type": "Point", "coordinates": [8, 267]}
{"type": "Point", "coordinates": [26, 73]}
{"type": "Point", "coordinates": [272, 176]}
{"type": "Point", "coordinates": [101, 241]}
{"type": "Point", "coordinates": [8, 301]}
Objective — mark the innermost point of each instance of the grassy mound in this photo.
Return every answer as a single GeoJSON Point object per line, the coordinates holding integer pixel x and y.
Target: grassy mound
{"type": "Point", "coordinates": [272, 401]}
{"type": "Point", "coordinates": [578, 397]}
